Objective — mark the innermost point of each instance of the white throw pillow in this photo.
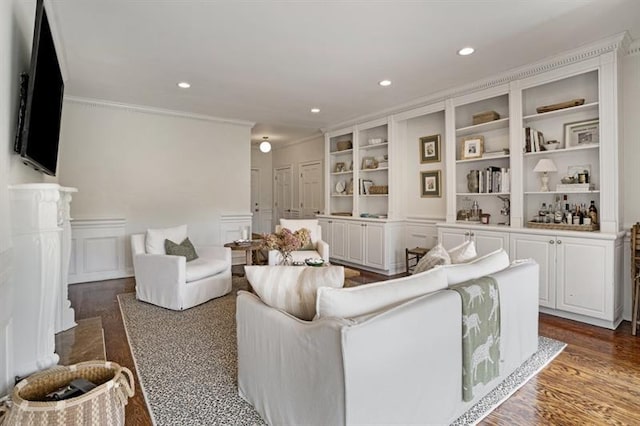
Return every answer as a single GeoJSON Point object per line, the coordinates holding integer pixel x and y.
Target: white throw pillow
{"type": "Point", "coordinates": [365, 299]}
{"type": "Point", "coordinates": [463, 253]}
{"type": "Point", "coordinates": [485, 265]}
{"type": "Point", "coordinates": [154, 240]}
{"type": "Point", "coordinates": [435, 257]}
{"type": "Point", "coordinates": [293, 288]}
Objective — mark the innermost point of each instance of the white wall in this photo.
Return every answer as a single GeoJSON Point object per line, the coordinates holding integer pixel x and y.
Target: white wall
{"type": "Point", "coordinates": [16, 33]}
{"type": "Point", "coordinates": [294, 154]}
{"type": "Point", "coordinates": [153, 169]}
{"type": "Point", "coordinates": [414, 204]}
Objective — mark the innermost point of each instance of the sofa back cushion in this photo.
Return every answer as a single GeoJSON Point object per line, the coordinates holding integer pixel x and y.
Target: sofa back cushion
{"type": "Point", "coordinates": [369, 298]}
{"type": "Point", "coordinates": [293, 288]}
{"type": "Point", "coordinates": [485, 265]}
{"type": "Point", "coordinates": [154, 240]}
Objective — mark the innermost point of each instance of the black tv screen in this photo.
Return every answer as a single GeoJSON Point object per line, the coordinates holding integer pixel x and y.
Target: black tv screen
{"type": "Point", "coordinates": [40, 133]}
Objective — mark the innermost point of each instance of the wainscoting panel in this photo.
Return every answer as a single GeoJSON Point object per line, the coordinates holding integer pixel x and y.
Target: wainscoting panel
{"type": "Point", "coordinates": [97, 250]}
{"type": "Point", "coordinates": [6, 323]}
{"type": "Point", "coordinates": [231, 226]}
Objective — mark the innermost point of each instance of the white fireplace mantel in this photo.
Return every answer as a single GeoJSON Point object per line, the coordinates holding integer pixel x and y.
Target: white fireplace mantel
{"type": "Point", "coordinates": [40, 227]}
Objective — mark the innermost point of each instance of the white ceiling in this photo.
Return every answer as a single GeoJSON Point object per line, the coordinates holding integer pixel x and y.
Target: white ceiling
{"type": "Point", "coordinates": [272, 61]}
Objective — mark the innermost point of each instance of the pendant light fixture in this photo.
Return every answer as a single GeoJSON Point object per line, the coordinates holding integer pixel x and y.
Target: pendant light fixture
{"type": "Point", "coordinates": [265, 145]}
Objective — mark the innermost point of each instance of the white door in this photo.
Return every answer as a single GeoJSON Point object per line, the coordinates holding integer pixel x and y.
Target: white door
{"type": "Point", "coordinates": [450, 238]}
{"type": "Point", "coordinates": [282, 193]}
{"type": "Point", "coordinates": [488, 241]}
{"type": "Point", "coordinates": [310, 189]}
{"type": "Point", "coordinates": [255, 202]}
{"type": "Point", "coordinates": [338, 248]}
{"type": "Point", "coordinates": [542, 249]}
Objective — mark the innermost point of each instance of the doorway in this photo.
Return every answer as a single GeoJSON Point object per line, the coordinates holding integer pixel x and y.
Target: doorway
{"type": "Point", "coordinates": [311, 196]}
{"type": "Point", "coordinates": [282, 192]}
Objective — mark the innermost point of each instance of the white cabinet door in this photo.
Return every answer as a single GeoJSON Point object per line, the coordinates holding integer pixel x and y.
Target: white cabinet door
{"type": "Point", "coordinates": [542, 249]}
{"type": "Point", "coordinates": [489, 241]}
{"type": "Point", "coordinates": [375, 247]}
{"type": "Point", "coordinates": [584, 273]}
{"type": "Point", "coordinates": [355, 245]}
{"type": "Point", "coordinates": [338, 249]}
{"type": "Point", "coordinates": [451, 237]}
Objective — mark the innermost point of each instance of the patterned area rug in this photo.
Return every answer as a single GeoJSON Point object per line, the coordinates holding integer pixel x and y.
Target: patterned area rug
{"type": "Point", "coordinates": [186, 363]}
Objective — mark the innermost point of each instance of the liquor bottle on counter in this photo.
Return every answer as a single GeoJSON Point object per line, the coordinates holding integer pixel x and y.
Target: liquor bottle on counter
{"type": "Point", "coordinates": [593, 213]}
{"type": "Point", "coordinates": [557, 211]}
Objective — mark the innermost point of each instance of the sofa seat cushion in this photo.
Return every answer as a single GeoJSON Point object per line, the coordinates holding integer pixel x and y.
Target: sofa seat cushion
{"type": "Point", "coordinates": [485, 265]}
{"type": "Point", "coordinates": [201, 268]}
{"type": "Point", "coordinates": [293, 288]}
{"type": "Point", "coordinates": [154, 239]}
{"type": "Point", "coordinates": [369, 298]}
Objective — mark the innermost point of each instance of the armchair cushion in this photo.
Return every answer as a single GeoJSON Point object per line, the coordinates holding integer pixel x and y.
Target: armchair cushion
{"type": "Point", "coordinates": [154, 241]}
{"type": "Point", "coordinates": [202, 268]}
{"type": "Point", "coordinates": [293, 288]}
{"type": "Point", "coordinates": [185, 248]}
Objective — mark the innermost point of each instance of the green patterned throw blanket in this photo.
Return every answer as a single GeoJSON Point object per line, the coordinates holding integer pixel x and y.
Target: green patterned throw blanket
{"type": "Point", "coordinates": [480, 332]}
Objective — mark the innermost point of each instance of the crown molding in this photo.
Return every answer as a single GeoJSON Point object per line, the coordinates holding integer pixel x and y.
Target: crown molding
{"type": "Point", "coordinates": [152, 110]}
{"type": "Point", "coordinates": [299, 141]}
{"type": "Point", "coordinates": [592, 50]}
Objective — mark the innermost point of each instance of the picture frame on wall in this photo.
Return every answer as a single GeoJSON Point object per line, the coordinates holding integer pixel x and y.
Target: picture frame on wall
{"type": "Point", "coordinates": [430, 149]}
{"type": "Point", "coordinates": [430, 184]}
{"type": "Point", "coordinates": [582, 133]}
{"type": "Point", "coordinates": [472, 147]}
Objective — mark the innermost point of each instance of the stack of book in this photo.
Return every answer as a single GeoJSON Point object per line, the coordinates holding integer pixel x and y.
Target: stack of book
{"type": "Point", "coordinates": [492, 180]}
{"type": "Point", "coordinates": [533, 140]}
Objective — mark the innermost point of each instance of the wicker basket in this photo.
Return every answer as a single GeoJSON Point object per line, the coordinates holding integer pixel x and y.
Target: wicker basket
{"type": "Point", "coordinates": [343, 145]}
{"type": "Point", "coordinates": [103, 405]}
{"type": "Point", "coordinates": [379, 189]}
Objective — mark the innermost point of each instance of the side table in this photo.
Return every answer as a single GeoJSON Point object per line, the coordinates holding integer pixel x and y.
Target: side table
{"type": "Point", "coordinates": [248, 247]}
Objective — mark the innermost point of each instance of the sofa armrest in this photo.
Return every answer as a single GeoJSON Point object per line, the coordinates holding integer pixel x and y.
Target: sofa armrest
{"type": "Point", "coordinates": [159, 276]}
{"type": "Point", "coordinates": [290, 370]}
{"type": "Point", "coordinates": [323, 250]}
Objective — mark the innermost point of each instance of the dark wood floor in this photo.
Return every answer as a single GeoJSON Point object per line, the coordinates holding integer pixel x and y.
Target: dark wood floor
{"type": "Point", "coordinates": [594, 381]}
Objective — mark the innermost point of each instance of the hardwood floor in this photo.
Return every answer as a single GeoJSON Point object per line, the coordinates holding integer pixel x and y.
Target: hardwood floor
{"type": "Point", "coordinates": [594, 381]}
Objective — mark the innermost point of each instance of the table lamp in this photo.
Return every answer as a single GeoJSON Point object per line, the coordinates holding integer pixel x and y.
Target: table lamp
{"type": "Point", "coordinates": [545, 166]}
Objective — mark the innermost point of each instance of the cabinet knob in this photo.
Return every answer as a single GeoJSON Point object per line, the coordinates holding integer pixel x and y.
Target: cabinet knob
{"type": "Point", "coordinates": [551, 242]}
{"type": "Point", "coordinates": [559, 241]}
{"type": "Point", "coordinates": [472, 234]}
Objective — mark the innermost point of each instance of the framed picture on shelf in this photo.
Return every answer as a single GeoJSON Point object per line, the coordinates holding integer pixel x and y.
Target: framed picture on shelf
{"type": "Point", "coordinates": [430, 149]}
{"type": "Point", "coordinates": [582, 133]}
{"type": "Point", "coordinates": [339, 167]}
{"type": "Point", "coordinates": [472, 147]}
{"type": "Point", "coordinates": [430, 184]}
{"type": "Point", "coordinates": [369, 163]}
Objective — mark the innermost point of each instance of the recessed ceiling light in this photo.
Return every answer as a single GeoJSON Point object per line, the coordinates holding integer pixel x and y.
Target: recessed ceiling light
{"type": "Point", "coordinates": [466, 51]}
{"type": "Point", "coordinates": [184, 85]}
{"type": "Point", "coordinates": [315, 110]}
{"type": "Point", "coordinates": [385, 83]}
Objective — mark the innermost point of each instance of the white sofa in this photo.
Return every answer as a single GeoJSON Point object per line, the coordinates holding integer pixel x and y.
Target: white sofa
{"type": "Point", "coordinates": [174, 283]}
{"type": "Point", "coordinates": [401, 365]}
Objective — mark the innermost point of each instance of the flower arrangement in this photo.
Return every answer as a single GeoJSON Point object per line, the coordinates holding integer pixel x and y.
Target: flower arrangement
{"type": "Point", "coordinates": [286, 241]}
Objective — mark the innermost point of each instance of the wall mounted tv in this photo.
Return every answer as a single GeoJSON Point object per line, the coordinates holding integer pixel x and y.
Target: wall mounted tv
{"type": "Point", "coordinates": [41, 95]}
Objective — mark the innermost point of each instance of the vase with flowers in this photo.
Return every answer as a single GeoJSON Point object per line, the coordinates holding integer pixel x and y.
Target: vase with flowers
{"type": "Point", "coordinates": [286, 242]}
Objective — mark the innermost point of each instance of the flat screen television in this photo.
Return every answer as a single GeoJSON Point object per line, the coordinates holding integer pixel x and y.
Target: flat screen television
{"type": "Point", "coordinates": [42, 89]}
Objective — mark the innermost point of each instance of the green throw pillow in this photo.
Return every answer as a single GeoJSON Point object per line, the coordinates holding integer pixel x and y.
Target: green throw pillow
{"type": "Point", "coordinates": [185, 249]}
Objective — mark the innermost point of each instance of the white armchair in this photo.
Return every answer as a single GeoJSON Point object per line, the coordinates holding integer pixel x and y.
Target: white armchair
{"type": "Point", "coordinates": [174, 283]}
{"type": "Point", "coordinates": [320, 248]}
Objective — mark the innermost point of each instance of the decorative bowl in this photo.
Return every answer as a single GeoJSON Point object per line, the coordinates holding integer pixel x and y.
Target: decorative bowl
{"type": "Point", "coordinates": [551, 146]}
{"type": "Point", "coordinates": [314, 262]}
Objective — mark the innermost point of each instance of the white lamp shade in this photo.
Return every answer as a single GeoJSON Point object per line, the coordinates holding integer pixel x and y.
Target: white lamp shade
{"type": "Point", "coordinates": [265, 146]}
{"type": "Point", "coordinates": [545, 165]}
